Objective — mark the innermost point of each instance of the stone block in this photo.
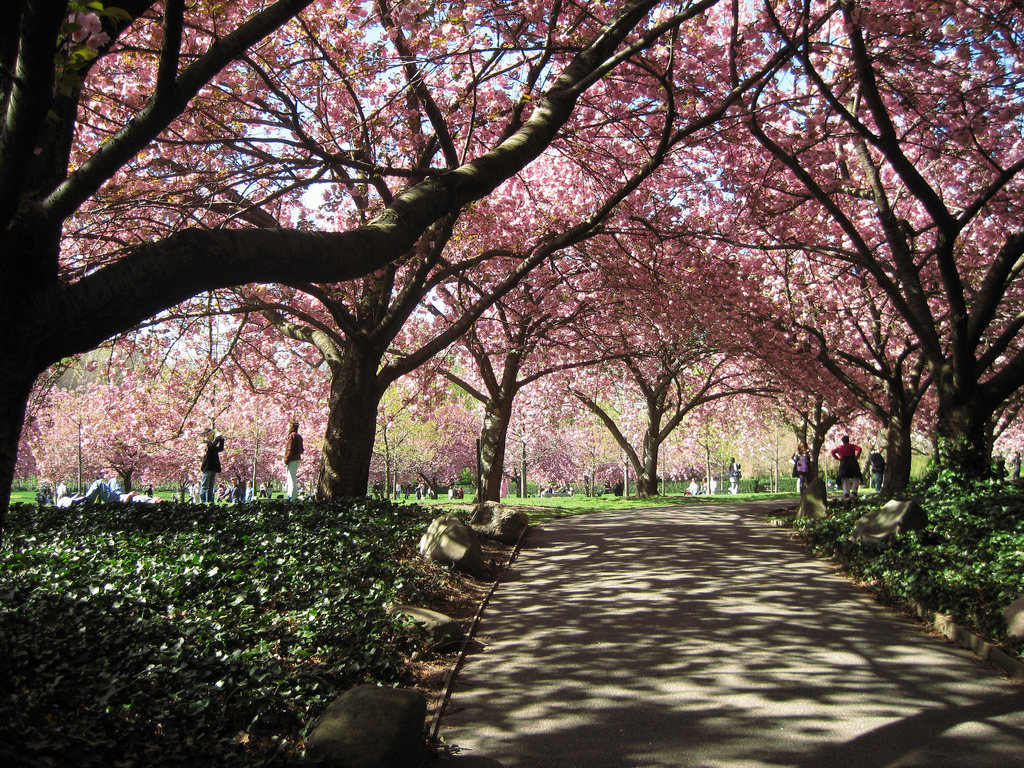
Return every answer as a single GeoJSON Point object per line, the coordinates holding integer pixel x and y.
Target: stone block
{"type": "Point", "coordinates": [370, 727]}
{"type": "Point", "coordinates": [1014, 615]}
{"type": "Point", "coordinates": [498, 522]}
{"type": "Point", "coordinates": [879, 525]}
{"type": "Point", "coordinates": [442, 630]}
{"type": "Point", "coordinates": [449, 540]}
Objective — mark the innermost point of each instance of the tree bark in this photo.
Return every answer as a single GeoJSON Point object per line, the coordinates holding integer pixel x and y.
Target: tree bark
{"type": "Point", "coordinates": [816, 423]}
{"type": "Point", "coordinates": [647, 477]}
{"type": "Point", "coordinates": [898, 455]}
{"type": "Point", "coordinates": [15, 387]}
{"type": "Point", "coordinates": [647, 482]}
{"type": "Point", "coordinates": [964, 428]}
{"type": "Point", "coordinates": [493, 441]}
{"type": "Point", "coordinates": [351, 425]}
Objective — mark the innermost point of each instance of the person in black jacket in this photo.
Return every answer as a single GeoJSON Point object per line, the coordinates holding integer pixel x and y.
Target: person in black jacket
{"type": "Point", "coordinates": [876, 462]}
{"type": "Point", "coordinates": [211, 465]}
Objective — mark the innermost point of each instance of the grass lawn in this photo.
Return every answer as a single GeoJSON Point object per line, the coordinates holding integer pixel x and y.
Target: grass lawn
{"type": "Point", "coordinates": [550, 508]}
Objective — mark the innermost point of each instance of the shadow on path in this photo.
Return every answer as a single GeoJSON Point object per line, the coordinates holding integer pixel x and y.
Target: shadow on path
{"type": "Point", "coordinates": [700, 636]}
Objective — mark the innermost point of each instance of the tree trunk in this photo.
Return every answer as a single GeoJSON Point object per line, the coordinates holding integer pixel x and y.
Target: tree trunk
{"type": "Point", "coordinates": [15, 386]}
{"type": "Point", "coordinates": [493, 440]}
{"type": "Point", "coordinates": [126, 479]}
{"type": "Point", "coordinates": [351, 426]}
{"type": "Point", "coordinates": [816, 429]}
{"type": "Point", "coordinates": [647, 477]}
{"type": "Point", "coordinates": [647, 486]}
{"type": "Point", "coordinates": [963, 429]}
{"type": "Point", "coordinates": [898, 447]}
{"type": "Point", "coordinates": [898, 454]}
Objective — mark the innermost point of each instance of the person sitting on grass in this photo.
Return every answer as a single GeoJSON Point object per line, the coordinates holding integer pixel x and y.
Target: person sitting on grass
{"type": "Point", "coordinates": [43, 495]}
{"type": "Point", "coordinates": [110, 492]}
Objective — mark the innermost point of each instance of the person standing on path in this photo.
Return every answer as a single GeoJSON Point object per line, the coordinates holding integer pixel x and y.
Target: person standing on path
{"type": "Point", "coordinates": [292, 455]}
{"type": "Point", "coordinates": [801, 466]}
{"type": "Point", "coordinates": [734, 476]}
{"type": "Point", "coordinates": [211, 465]}
{"type": "Point", "coordinates": [849, 473]}
{"type": "Point", "coordinates": [877, 464]}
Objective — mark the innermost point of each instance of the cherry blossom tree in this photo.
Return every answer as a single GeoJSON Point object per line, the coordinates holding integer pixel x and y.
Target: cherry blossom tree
{"type": "Point", "coordinates": [531, 333]}
{"type": "Point", "coordinates": [423, 436]}
{"type": "Point", "coordinates": [893, 149]}
{"type": "Point", "coordinates": [104, 227]}
{"type": "Point", "coordinates": [1009, 430]}
{"type": "Point", "coordinates": [60, 438]}
{"type": "Point", "coordinates": [672, 357]}
{"type": "Point", "coordinates": [668, 359]}
{"type": "Point", "coordinates": [553, 446]}
{"type": "Point", "coordinates": [122, 417]}
{"type": "Point", "coordinates": [670, 383]}
{"type": "Point", "coordinates": [530, 219]}
{"type": "Point", "coordinates": [834, 330]}
{"type": "Point", "coordinates": [139, 411]}
{"type": "Point", "coordinates": [594, 455]}
{"type": "Point", "coordinates": [371, 333]}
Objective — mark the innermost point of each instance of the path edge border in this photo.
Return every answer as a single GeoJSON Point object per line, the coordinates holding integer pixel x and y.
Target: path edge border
{"type": "Point", "coordinates": [952, 631]}
{"type": "Point", "coordinates": [981, 648]}
{"type": "Point", "coordinates": [453, 671]}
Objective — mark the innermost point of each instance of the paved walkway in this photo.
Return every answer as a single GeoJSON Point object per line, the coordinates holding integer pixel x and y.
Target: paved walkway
{"type": "Point", "coordinates": [702, 637]}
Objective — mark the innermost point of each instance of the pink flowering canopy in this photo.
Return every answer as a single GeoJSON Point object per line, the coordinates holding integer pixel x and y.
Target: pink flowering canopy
{"type": "Point", "coordinates": [829, 193]}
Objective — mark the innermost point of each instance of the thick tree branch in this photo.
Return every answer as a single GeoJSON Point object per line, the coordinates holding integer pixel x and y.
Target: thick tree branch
{"type": "Point", "coordinates": [161, 274]}
{"type": "Point", "coordinates": [30, 99]}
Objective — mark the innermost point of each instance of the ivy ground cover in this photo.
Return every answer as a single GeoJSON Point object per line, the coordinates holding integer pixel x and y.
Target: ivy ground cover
{"type": "Point", "coordinates": [968, 563]}
{"type": "Point", "coordinates": [173, 635]}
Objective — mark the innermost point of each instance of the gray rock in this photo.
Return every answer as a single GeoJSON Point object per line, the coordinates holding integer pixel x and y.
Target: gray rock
{"type": "Point", "coordinates": [1014, 615]}
{"type": "Point", "coordinates": [879, 525]}
{"type": "Point", "coordinates": [496, 521]}
{"type": "Point", "coordinates": [449, 540]}
{"type": "Point", "coordinates": [443, 630]}
{"type": "Point", "coordinates": [812, 500]}
{"type": "Point", "coordinates": [370, 727]}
